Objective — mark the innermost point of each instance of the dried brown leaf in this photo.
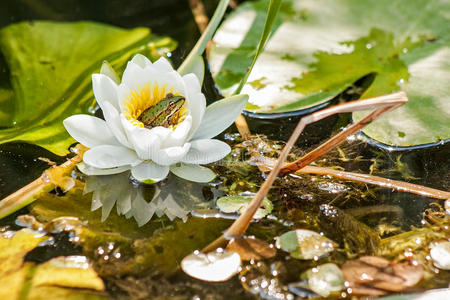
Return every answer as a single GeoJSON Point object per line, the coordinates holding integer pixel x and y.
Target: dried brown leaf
{"type": "Point", "coordinates": [375, 261]}
{"type": "Point", "coordinates": [366, 291]}
{"type": "Point", "coordinates": [356, 272]}
{"type": "Point", "coordinates": [410, 272]}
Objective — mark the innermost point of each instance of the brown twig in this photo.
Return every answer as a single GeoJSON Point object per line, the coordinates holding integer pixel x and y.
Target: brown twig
{"type": "Point", "coordinates": [242, 223]}
{"type": "Point", "coordinates": [233, 4]}
{"type": "Point", "coordinates": [380, 104]}
{"type": "Point", "coordinates": [198, 10]}
{"type": "Point", "coordinates": [265, 164]}
{"type": "Point", "coordinates": [46, 182]}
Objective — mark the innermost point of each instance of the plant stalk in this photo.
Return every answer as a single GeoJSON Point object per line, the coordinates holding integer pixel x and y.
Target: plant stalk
{"type": "Point", "coordinates": [381, 105]}
{"type": "Point", "coordinates": [45, 183]}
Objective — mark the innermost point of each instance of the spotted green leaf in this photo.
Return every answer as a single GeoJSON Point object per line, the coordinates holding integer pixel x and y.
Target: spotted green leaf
{"type": "Point", "coordinates": [318, 48]}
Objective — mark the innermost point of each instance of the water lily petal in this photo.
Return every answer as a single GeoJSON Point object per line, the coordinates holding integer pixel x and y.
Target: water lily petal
{"type": "Point", "coordinates": [163, 65]}
{"type": "Point", "coordinates": [179, 135]}
{"type": "Point", "coordinates": [133, 77]}
{"type": "Point", "coordinates": [148, 170]}
{"type": "Point", "coordinates": [146, 142]}
{"type": "Point", "coordinates": [109, 71]}
{"type": "Point", "coordinates": [192, 83]}
{"type": "Point", "coordinates": [171, 155]}
{"type": "Point", "coordinates": [88, 170]}
{"type": "Point", "coordinates": [197, 107]}
{"type": "Point", "coordinates": [196, 101]}
{"type": "Point", "coordinates": [197, 66]}
{"type": "Point", "coordinates": [206, 151]}
{"type": "Point", "coordinates": [107, 156]}
{"type": "Point", "coordinates": [105, 90]}
{"type": "Point", "coordinates": [171, 80]}
{"type": "Point", "coordinates": [89, 131]}
{"type": "Point", "coordinates": [113, 121]}
{"type": "Point", "coordinates": [194, 173]}
{"type": "Point", "coordinates": [219, 116]}
{"type": "Point", "coordinates": [141, 60]}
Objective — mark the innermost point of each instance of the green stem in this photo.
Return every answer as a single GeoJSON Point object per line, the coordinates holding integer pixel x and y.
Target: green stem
{"type": "Point", "coordinates": [272, 12]}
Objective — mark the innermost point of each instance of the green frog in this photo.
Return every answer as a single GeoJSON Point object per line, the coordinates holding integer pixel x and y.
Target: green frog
{"type": "Point", "coordinates": [163, 113]}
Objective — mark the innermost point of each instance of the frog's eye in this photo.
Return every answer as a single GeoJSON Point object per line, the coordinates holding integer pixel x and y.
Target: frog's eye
{"type": "Point", "coordinates": [172, 104]}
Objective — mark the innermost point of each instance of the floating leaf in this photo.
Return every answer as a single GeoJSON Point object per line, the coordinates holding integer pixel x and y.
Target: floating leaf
{"type": "Point", "coordinates": [305, 244]}
{"type": "Point", "coordinates": [213, 266]}
{"type": "Point", "coordinates": [250, 248]}
{"type": "Point", "coordinates": [440, 254]}
{"type": "Point", "coordinates": [52, 80]}
{"type": "Point", "coordinates": [317, 49]}
{"type": "Point", "coordinates": [18, 278]}
{"type": "Point", "coordinates": [70, 271]}
{"type": "Point", "coordinates": [238, 203]}
{"type": "Point", "coordinates": [325, 279]}
{"type": "Point", "coordinates": [15, 245]}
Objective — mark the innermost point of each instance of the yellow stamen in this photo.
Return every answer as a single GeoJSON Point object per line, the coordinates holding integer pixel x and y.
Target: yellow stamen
{"type": "Point", "coordinates": [148, 96]}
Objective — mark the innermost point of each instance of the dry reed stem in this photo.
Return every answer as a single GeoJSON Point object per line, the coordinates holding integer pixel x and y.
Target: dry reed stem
{"type": "Point", "coordinates": [381, 105]}
{"type": "Point", "coordinates": [380, 181]}
{"type": "Point", "coordinates": [198, 10]}
{"type": "Point", "coordinates": [44, 183]}
{"type": "Point", "coordinates": [265, 164]}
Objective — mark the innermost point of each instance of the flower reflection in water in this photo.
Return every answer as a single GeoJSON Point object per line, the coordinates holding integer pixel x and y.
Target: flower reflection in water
{"type": "Point", "coordinates": [173, 197]}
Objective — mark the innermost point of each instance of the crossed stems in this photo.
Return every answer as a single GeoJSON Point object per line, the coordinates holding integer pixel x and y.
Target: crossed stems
{"type": "Point", "coordinates": [379, 105]}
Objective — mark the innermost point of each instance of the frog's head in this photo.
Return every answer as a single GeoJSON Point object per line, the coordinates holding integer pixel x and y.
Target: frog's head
{"type": "Point", "coordinates": [174, 104]}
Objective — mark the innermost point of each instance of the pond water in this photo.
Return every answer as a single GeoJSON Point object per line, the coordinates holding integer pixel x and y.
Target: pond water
{"type": "Point", "coordinates": [143, 262]}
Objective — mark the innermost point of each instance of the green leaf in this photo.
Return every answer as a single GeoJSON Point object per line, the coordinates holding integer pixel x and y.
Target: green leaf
{"type": "Point", "coordinates": [272, 11]}
{"type": "Point", "coordinates": [50, 68]}
{"type": "Point", "coordinates": [319, 48]}
{"type": "Point", "coordinates": [238, 203]}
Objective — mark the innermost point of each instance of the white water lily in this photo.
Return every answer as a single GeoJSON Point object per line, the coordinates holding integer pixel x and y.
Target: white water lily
{"type": "Point", "coordinates": [121, 142]}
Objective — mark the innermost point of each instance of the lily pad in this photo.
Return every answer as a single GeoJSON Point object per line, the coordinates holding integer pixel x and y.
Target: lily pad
{"type": "Point", "coordinates": [305, 244]}
{"type": "Point", "coordinates": [239, 203]}
{"type": "Point", "coordinates": [319, 48]}
{"type": "Point", "coordinates": [50, 66]}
